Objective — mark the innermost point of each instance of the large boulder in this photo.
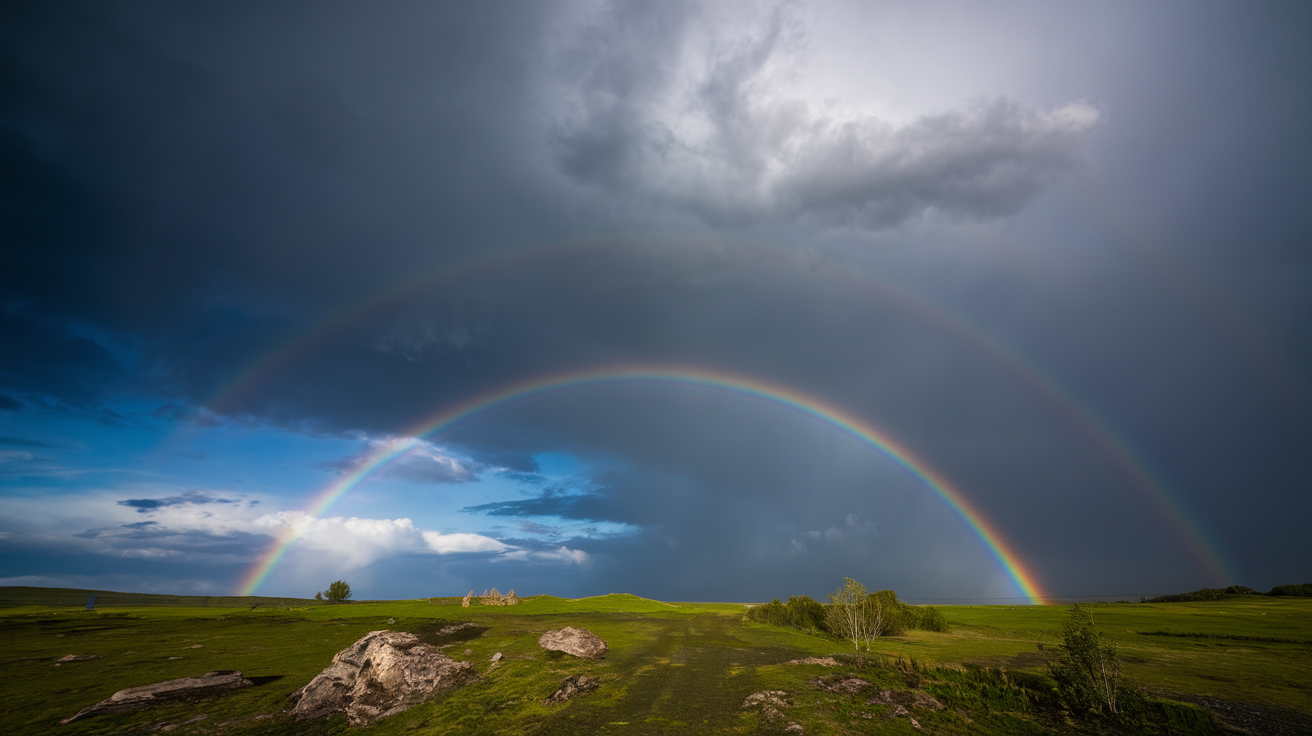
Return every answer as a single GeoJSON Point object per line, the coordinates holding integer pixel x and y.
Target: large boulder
{"type": "Point", "coordinates": [383, 673]}
{"type": "Point", "coordinates": [578, 642]}
{"type": "Point", "coordinates": [183, 688]}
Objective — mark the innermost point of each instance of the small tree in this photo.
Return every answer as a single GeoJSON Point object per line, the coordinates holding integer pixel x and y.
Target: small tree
{"type": "Point", "coordinates": [1088, 668]}
{"type": "Point", "coordinates": [850, 613]}
{"type": "Point", "coordinates": [338, 591]}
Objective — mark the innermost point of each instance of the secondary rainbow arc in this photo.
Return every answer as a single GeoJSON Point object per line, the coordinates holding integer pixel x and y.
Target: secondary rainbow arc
{"type": "Point", "coordinates": [1148, 482]}
{"type": "Point", "coordinates": [994, 542]}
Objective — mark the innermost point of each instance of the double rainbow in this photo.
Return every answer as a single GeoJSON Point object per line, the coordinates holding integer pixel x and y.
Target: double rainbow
{"type": "Point", "coordinates": [1024, 580]}
{"type": "Point", "coordinates": [1113, 444]}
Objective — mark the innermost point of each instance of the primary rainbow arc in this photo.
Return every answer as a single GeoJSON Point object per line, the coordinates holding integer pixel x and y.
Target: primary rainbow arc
{"type": "Point", "coordinates": [1197, 539]}
{"type": "Point", "coordinates": [1020, 575]}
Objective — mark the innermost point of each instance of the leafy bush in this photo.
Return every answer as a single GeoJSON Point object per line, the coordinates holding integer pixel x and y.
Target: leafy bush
{"type": "Point", "coordinates": [1087, 668]}
{"type": "Point", "coordinates": [1301, 590]}
{"type": "Point", "coordinates": [929, 618]}
{"type": "Point", "coordinates": [900, 616]}
{"type": "Point", "coordinates": [800, 612]}
{"type": "Point", "coordinates": [337, 592]}
{"type": "Point", "coordinates": [805, 613]}
{"type": "Point", "coordinates": [894, 616]}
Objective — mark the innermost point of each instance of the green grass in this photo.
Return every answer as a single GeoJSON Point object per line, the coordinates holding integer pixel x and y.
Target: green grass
{"type": "Point", "coordinates": [11, 597]}
{"type": "Point", "coordinates": [1248, 648]}
{"type": "Point", "coordinates": [671, 667]}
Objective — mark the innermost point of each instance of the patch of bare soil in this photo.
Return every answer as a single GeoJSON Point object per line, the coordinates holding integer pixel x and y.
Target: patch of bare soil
{"type": "Point", "coordinates": [1259, 720]}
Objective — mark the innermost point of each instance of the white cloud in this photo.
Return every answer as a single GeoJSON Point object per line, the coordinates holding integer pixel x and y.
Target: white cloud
{"type": "Point", "coordinates": [462, 542]}
{"type": "Point", "coordinates": [560, 554]}
{"type": "Point", "coordinates": [419, 461]}
{"type": "Point", "coordinates": [355, 542]}
{"type": "Point", "coordinates": [208, 526]}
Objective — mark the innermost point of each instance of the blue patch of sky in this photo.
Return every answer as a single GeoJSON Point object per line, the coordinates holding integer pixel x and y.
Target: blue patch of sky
{"type": "Point", "coordinates": [72, 452]}
{"type": "Point", "coordinates": [442, 506]}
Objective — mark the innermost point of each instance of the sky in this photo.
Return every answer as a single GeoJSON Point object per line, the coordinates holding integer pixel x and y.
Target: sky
{"type": "Point", "coordinates": [698, 301]}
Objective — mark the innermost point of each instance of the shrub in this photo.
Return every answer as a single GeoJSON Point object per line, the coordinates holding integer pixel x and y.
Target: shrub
{"type": "Point", "coordinates": [338, 591]}
{"type": "Point", "coordinates": [929, 618]}
{"type": "Point", "coordinates": [800, 612]}
{"type": "Point", "coordinates": [893, 614]}
{"type": "Point", "coordinates": [1087, 669]}
{"type": "Point", "coordinates": [805, 613]}
{"type": "Point", "coordinates": [1301, 590]}
{"type": "Point", "coordinates": [899, 616]}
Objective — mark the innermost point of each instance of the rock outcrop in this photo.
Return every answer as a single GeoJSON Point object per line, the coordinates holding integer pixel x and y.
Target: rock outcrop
{"type": "Point", "coordinates": [772, 703]}
{"type": "Point", "coordinates": [572, 686]}
{"type": "Point", "coordinates": [826, 661]}
{"type": "Point", "coordinates": [841, 684]}
{"type": "Point", "coordinates": [578, 642]}
{"type": "Point", "coordinates": [383, 673]}
{"type": "Point", "coordinates": [912, 698]}
{"type": "Point", "coordinates": [183, 688]}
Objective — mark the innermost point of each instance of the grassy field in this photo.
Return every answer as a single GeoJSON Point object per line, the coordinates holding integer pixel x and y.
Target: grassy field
{"type": "Point", "coordinates": [671, 668]}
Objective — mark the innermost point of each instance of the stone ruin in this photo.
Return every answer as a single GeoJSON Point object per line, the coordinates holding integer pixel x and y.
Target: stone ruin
{"type": "Point", "coordinates": [490, 598]}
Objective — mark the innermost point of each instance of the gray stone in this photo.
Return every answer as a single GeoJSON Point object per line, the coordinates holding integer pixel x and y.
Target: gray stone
{"type": "Point", "coordinates": [572, 686]}
{"type": "Point", "coordinates": [76, 658]}
{"type": "Point", "coordinates": [135, 698]}
{"type": "Point", "coordinates": [578, 642]}
{"type": "Point", "coordinates": [383, 673]}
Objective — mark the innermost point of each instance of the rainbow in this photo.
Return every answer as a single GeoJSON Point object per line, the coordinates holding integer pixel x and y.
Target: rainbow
{"type": "Point", "coordinates": [1150, 485]}
{"type": "Point", "coordinates": [1024, 579]}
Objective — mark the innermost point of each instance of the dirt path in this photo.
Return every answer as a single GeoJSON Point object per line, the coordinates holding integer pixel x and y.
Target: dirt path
{"type": "Point", "coordinates": [692, 679]}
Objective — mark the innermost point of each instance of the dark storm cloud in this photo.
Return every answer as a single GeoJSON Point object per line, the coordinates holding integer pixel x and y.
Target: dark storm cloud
{"type": "Point", "coordinates": [48, 357]}
{"type": "Point", "coordinates": [532, 527]}
{"type": "Point", "coordinates": [202, 196]}
{"type": "Point", "coordinates": [197, 498]}
{"type": "Point", "coordinates": [576, 506]}
{"type": "Point", "coordinates": [755, 157]}
{"type": "Point", "coordinates": [188, 190]}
